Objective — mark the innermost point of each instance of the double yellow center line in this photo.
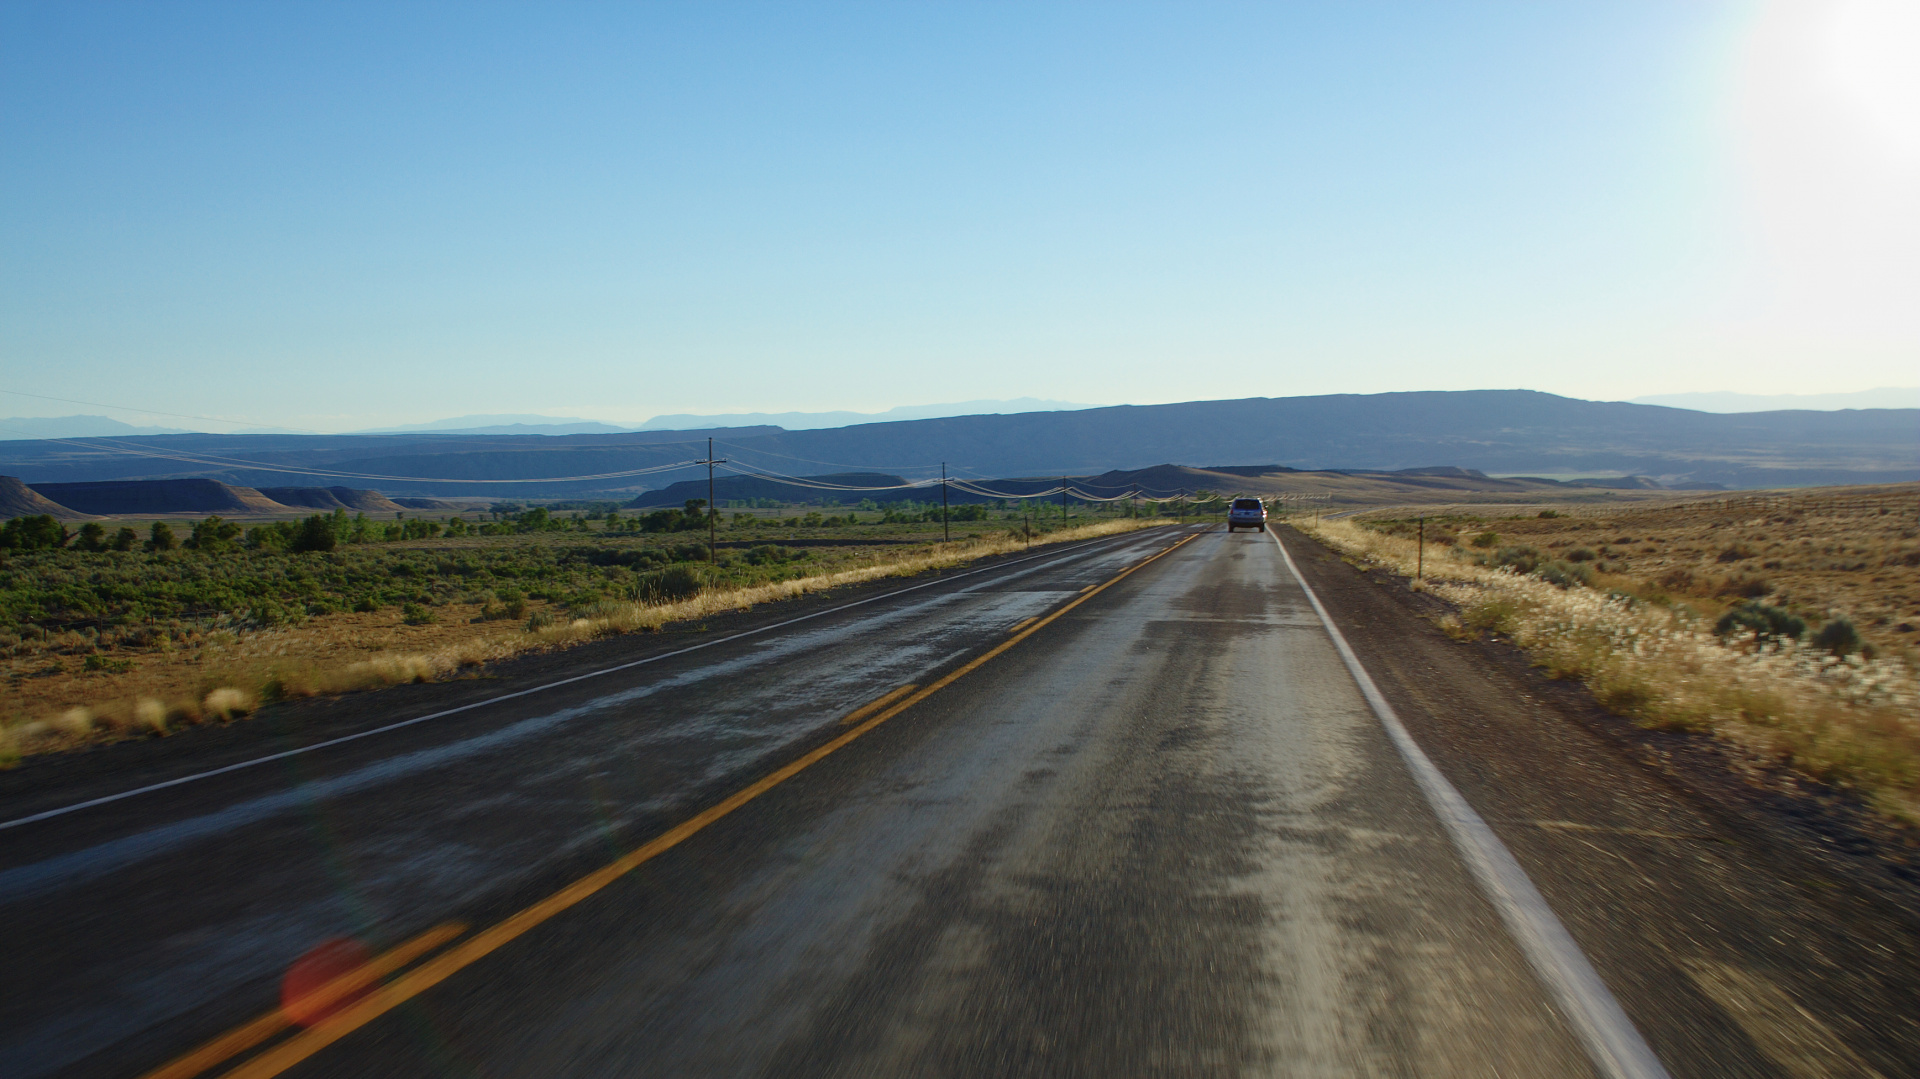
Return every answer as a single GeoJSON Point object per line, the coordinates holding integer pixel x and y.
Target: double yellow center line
{"type": "Point", "coordinates": [306, 1043]}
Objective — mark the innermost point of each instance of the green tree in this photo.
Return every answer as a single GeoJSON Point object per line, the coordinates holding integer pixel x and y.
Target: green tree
{"type": "Point", "coordinates": [36, 533]}
{"type": "Point", "coordinates": [213, 534]}
{"type": "Point", "coordinates": [93, 537]}
{"type": "Point", "coordinates": [160, 537]}
{"type": "Point", "coordinates": [315, 534]}
{"type": "Point", "coordinates": [126, 539]}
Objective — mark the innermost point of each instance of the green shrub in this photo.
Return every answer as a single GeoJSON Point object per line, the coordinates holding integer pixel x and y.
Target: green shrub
{"type": "Point", "coordinates": [92, 537]}
{"type": "Point", "coordinates": [1564, 574]}
{"type": "Point", "coordinates": [1494, 614]}
{"type": "Point", "coordinates": [126, 539]}
{"type": "Point", "coordinates": [669, 585]}
{"type": "Point", "coordinates": [1581, 554]}
{"type": "Point", "coordinates": [1838, 637]}
{"type": "Point", "coordinates": [415, 615]}
{"type": "Point", "coordinates": [768, 554]}
{"type": "Point", "coordinates": [1521, 558]}
{"type": "Point", "coordinates": [37, 533]}
{"type": "Point", "coordinates": [213, 535]}
{"type": "Point", "coordinates": [314, 534]}
{"type": "Point", "coordinates": [1764, 623]}
{"type": "Point", "coordinates": [160, 537]}
{"type": "Point", "coordinates": [1486, 539]}
{"type": "Point", "coordinates": [1549, 514]}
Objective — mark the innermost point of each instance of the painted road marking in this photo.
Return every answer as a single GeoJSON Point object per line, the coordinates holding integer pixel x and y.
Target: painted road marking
{"type": "Point", "coordinates": [1022, 624]}
{"type": "Point", "coordinates": [211, 772]}
{"type": "Point", "coordinates": [243, 1038]}
{"type": "Point", "coordinates": [431, 973]}
{"type": "Point", "coordinates": [876, 704]}
{"type": "Point", "coordinates": [1611, 1040]}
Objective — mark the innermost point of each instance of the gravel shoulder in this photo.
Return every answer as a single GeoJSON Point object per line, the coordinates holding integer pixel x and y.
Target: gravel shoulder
{"type": "Point", "coordinates": [1737, 912]}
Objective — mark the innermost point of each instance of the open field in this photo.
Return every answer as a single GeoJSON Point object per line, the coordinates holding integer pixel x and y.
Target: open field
{"type": "Point", "coordinates": [104, 645]}
{"type": "Point", "coordinates": [1782, 622]}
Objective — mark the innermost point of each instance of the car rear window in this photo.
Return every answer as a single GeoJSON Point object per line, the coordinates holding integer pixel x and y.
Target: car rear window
{"type": "Point", "coordinates": [1246, 503]}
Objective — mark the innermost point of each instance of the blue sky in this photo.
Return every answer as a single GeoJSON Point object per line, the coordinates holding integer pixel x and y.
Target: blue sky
{"type": "Point", "coordinates": [330, 216]}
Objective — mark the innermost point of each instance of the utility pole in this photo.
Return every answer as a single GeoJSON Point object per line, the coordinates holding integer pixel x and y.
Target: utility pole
{"type": "Point", "coordinates": [1420, 561]}
{"type": "Point", "coordinates": [713, 512]}
{"type": "Point", "coordinates": [945, 536]}
{"type": "Point", "coordinates": [1063, 507]}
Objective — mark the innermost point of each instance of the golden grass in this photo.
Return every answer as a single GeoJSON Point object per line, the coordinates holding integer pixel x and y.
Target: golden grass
{"type": "Point", "coordinates": [1852, 722]}
{"type": "Point", "coordinates": [231, 675]}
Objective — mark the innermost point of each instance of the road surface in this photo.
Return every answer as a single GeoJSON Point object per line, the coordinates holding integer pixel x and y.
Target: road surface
{"type": "Point", "coordinates": [1135, 816]}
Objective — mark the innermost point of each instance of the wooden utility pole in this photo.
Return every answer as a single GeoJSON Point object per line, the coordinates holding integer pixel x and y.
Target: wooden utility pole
{"type": "Point", "coordinates": [1420, 561]}
{"type": "Point", "coordinates": [713, 508]}
{"type": "Point", "coordinates": [945, 536]}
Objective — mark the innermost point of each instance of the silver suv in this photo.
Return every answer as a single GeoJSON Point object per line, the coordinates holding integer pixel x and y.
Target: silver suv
{"type": "Point", "coordinates": [1247, 513]}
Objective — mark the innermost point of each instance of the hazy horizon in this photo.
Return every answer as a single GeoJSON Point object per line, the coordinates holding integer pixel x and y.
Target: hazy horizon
{"type": "Point", "coordinates": [84, 425]}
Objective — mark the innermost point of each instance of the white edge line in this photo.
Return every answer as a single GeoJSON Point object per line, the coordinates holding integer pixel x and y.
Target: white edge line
{"type": "Point", "coordinates": [1615, 1046]}
{"type": "Point", "coordinates": [210, 773]}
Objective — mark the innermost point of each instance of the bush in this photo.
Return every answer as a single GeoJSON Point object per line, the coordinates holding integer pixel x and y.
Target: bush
{"type": "Point", "coordinates": [36, 533]}
{"type": "Point", "coordinates": [126, 539]}
{"type": "Point", "coordinates": [1486, 539]}
{"type": "Point", "coordinates": [1838, 637]}
{"type": "Point", "coordinates": [315, 534]}
{"type": "Point", "coordinates": [415, 615]}
{"type": "Point", "coordinates": [93, 537]}
{"type": "Point", "coordinates": [213, 534]}
{"type": "Point", "coordinates": [1581, 554]}
{"type": "Point", "coordinates": [669, 585]}
{"type": "Point", "coordinates": [1548, 514]}
{"type": "Point", "coordinates": [160, 537]}
{"type": "Point", "coordinates": [1764, 623]}
{"type": "Point", "coordinates": [1679, 579]}
{"type": "Point", "coordinates": [1744, 586]}
{"type": "Point", "coordinates": [1521, 558]}
{"type": "Point", "coordinates": [1735, 553]}
{"type": "Point", "coordinates": [768, 554]}
{"type": "Point", "coordinates": [1492, 613]}
{"type": "Point", "coordinates": [1564, 574]}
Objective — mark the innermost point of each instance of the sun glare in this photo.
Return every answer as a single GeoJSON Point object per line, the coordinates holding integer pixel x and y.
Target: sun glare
{"type": "Point", "coordinates": [1826, 120]}
{"type": "Point", "coordinates": [1875, 57]}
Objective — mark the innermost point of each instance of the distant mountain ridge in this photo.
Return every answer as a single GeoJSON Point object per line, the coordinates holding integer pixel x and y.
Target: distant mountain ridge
{"type": "Point", "coordinates": [18, 427]}
{"type": "Point", "coordinates": [1725, 401]}
{"type": "Point", "coordinates": [809, 421]}
{"type": "Point", "coordinates": [1499, 432]}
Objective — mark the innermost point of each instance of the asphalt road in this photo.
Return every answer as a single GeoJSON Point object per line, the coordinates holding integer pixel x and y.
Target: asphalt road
{"type": "Point", "coordinates": [1162, 833]}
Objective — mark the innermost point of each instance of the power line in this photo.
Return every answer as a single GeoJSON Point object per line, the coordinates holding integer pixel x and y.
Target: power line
{"type": "Point", "coordinates": [218, 462]}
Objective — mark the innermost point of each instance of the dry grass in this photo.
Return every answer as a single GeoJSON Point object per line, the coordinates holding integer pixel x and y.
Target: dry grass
{"type": "Point", "coordinates": [230, 675]}
{"type": "Point", "coordinates": [1825, 553]}
{"type": "Point", "coordinates": [1852, 722]}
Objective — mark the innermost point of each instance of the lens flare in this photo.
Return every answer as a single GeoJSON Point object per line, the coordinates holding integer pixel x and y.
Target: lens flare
{"type": "Point", "coordinates": [321, 983]}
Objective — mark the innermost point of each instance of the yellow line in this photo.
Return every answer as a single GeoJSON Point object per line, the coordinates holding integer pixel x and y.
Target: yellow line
{"type": "Point", "coordinates": [246, 1037]}
{"type": "Point", "coordinates": [873, 706]}
{"type": "Point", "coordinates": [310, 1041]}
{"type": "Point", "coordinates": [1023, 623]}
